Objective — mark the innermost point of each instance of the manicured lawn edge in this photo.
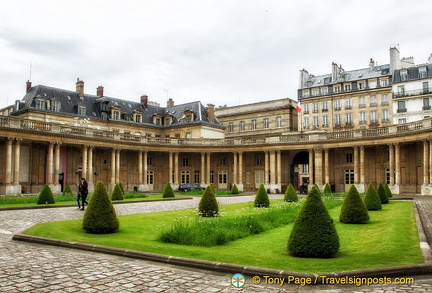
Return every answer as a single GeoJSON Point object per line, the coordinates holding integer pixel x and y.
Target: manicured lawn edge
{"type": "Point", "coordinates": [406, 270]}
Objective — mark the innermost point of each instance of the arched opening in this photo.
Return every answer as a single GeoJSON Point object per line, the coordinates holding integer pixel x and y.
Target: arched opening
{"type": "Point", "coordinates": [300, 171]}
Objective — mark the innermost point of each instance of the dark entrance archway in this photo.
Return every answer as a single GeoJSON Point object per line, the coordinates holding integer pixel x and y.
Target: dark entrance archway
{"type": "Point", "coordinates": [300, 171]}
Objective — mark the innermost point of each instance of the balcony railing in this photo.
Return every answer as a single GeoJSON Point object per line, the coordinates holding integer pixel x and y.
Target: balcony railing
{"type": "Point", "coordinates": [8, 123]}
{"type": "Point", "coordinates": [403, 93]}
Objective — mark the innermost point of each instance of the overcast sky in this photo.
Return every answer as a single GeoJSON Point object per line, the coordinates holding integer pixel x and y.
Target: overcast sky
{"type": "Point", "coordinates": [221, 52]}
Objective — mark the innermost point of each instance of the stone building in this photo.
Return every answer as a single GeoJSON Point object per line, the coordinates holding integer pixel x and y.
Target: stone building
{"type": "Point", "coordinates": [55, 136]}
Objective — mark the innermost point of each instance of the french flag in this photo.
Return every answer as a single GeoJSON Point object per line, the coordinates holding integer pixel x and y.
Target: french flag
{"type": "Point", "coordinates": [298, 109]}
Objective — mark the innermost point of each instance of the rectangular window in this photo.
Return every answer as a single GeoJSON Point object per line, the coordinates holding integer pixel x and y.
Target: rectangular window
{"type": "Point", "coordinates": [316, 122]}
{"type": "Point", "coordinates": [384, 82]}
{"type": "Point", "coordinates": [138, 118]}
{"type": "Point", "coordinates": [231, 127]}
{"type": "Point", "coordinates": [336, 88]}
{"type": "Point", "coordinates": [384, 99]}
{"type": "Point", "coordinates": [306, 108]}
{"type": "Point", "coordinates": [116, 114]}
{"type": "Point", "coordinates": [385, 115]}
{"type": "Point", "coordinates": [348, 118]}
{"type": "Point", "coordinates": [349, 157]}
{"type": "Point", "coordinates": [401, 107]}
{"type": "Point", "coordinates": [347, 87]}
{"type": "Point", "coordinates": [422, 72]}
{"type": "Point", "coordinates": [266, 123]}
{"type": "Point", "coordinates": [348, 104]}
{"type": "Point", "coordinates": [222, 161]}
{"type": "Point", "coordinates": [337, 105]}
{"type": "Point", "coordinates": [404, 75]}
{"type": "Point", "coordinates": [349, 176]}
{"type": "Point", "coordinates": [149, 161]}
{"type": "Point", "coordinates": [222, 177]}
{"type": "Point", "coordinates": [324, 91]}
{"type": "Point", "coordinates": [325, 106]}
{"type": "Point", "coordinates": [197, 176]}
{"type": "Point", "coordinates": [362, 117]}
{"type": "Point", "coordinates": [185, 177]}
{"type": "Point", "coordinates": [373, 101]}
{"type": "Point", "coordinates": [185, 162]}
{"type": "Point", "coordinates": [82, 111]}
{"type": "Point", "coordinates": [315, 107]}
{"type": "Point", "coordinates": [402, 121]}
{"type": "Point", "coordinates": [401, 90]}
{"type": "Point", "coordinates": [306, 93]}
{"type": "Point", "coordinates": [259, 160]}
{"type": "Point", "coordinates": [242, 125]}
{"type": "Point", "coordinates": [338, 119]}
{"type": "Point", "coordinates": [425, 87]}
{"type": "Point", "coordinates": [373, 117]}
{"type": "Point", "coordinates": [212, 176]}
{"type": "Point", "coordinates": [56, 106]}
{"type": "Point", "coordinates": [150, 177]}
{"type": "Point", "coordinates": [40, 104]}
{"type": "Point", "coordinates": [426, 104]}
{"type": "Point", "coordinates": [278, 122]}
{"type": "Point", "coordinates": [306, 123]}
{"type": "Point", "coordinates": [253, 124]}
{"type": "Point", "coordinates": [360, 86]}
{"type": "Point", "coordinates": [325, 121]}
{"type": "Point", "coordinates": [315, 92]}
{"type": "Point", "coordinates": [248, 177]}
{"type": "Point", "coordinates": [362, 102]}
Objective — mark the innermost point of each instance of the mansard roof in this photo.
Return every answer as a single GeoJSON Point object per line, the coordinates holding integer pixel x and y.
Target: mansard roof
{"type": "Point", "coordinates": [70, 101]}
{"type": "Point", "coordinates": [347, 76]}
{"type": "Point", "coordinates": [413, 73]}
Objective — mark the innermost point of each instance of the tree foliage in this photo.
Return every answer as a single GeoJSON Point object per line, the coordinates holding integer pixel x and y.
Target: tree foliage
{"type": "Point", "coordinates": [46, 196]}
{"type": "Point", "coordinates": [327, 190]}
{"type": "Point", "coordinates": [372, 200]}
{"type": "Point", "coordinates": [117, 194]}
{"type": "Point", "coordinates": [290, 194]}
{"type": "Point", "coordinates": [234, 189]}
{"type": "Point", "coordinates": [382, 194]}
{"type": "Point", "coordinates": [261, 198]}
{"type": "Point", "coordinates": [353, 209]}
{"type": "Point", "coordinates": [100, 216]}
{"type": "Point", "coordinates": [387, 190]}
{"type": "Point", "coordinates": [168, 191]}
{"type": "Point", "coordinates": [313, 233]}
{"type": "Point", "coordinates": [208, 205]}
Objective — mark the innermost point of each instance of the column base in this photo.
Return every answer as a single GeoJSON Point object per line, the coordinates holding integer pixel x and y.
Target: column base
{"type": "Point", "coordinates": [143, 188]}
{"type": "Point", "coordinates": [425, 190]}
{"type": "Point", "coordinates": [90, 187]}
{"type": "Point", "coordinates": [55, 188]}
{"type": "Point", "coordinates": [361, 187]}
{"type": "Point", "coordinates": [273, 188]}
{"type": "Point", "coordinates": [240, 187]}
{"type": "Point", "coordinates": [11, 190]}
{"type": "Point", "coordinates": [395, 189]}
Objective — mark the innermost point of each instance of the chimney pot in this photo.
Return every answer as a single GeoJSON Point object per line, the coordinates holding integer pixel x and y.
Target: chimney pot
{"type": "Point", "coordinates": [144, 100]}
{"type": "Point", "coordinates": [100, 91]}
{"type": "Point", "coordinates": [170, 103]}
{"type": "Point", "coordinates": [80, 87]}
{"type": "Point", "coordinates": [28, 86]}
{"type": "Point", "coordinates": [211, 112]}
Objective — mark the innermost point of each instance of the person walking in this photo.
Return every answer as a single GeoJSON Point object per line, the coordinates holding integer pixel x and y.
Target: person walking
{"type": "Point", "coordinates": [82, 192]}
{"type": "Point", "coordinates": [79, 195]}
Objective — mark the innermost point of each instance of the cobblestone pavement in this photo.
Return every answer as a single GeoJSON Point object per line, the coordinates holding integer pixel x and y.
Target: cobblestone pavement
{"type": "Point", "coordinates": [27, 267]}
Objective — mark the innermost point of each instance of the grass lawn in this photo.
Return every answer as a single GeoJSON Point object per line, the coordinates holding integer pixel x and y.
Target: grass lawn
{"type": "Point", "coordinates": [390, 239]}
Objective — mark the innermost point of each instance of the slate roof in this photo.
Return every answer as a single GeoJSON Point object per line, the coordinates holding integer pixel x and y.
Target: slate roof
{"type": "Point", "coordinates": [350, 76]}
{"type": "Point", "coordinates": [412, 73]}
{"type": "Point", "coordinates": [70, 101]}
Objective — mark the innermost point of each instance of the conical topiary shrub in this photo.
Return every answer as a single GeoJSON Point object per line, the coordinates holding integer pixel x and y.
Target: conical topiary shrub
{"type": "Point", "coordinates": [46, 196]}
{"type": "Point", "coordinates": [117, 193]}
{"type": "Point", "coordinates": [168, 191]}
{"type": "Point", "coordinates": [261, 198]}
{"type": "Point", "coordinates": [100, 216]}
{"type": "Point", "coordinates": [290, 194]}
{"type": "Point", "coordinates": [372, 200]}
{"type": "Point", "coordinates": [327, 190]}
{"type": "Point", "coordinates": [234, 189]}
{"type": "Point", "coordinates": [208, 205]}
{"type": "Point", "coordinates": [382, 194]}
{"type": "Point", "coordinates": [67, 190]}
{"type": "Point", "coordinates": [387, 190]}
{"type": "Point", "coordinates": [121, 187]}
{"type": "Point", "coordinates": [313, 233]}
{"type": "Point", "coordinates": [212, 188]}
{"type": "Point", "coordinates": [353, 209]}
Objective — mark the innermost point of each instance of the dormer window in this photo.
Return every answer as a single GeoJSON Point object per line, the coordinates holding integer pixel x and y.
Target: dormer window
{"type": "Point", "coordinates": [56, 106]}
{"type": "Point", "coordinates": [115, 113]}
{"type": "Point", "coordinates": [40, 104]}
{"type": "Point", "coordinates": [189, 116]}
{"type": "Point", "coordinates": [81, 110]}
{"type": "Point", "coordinates": [157, 120]}
{"type": "Point", "coordinates": [404, 75]}
{"type": "Point", "coordinates": [137, 117]}
{"type": "Point", "coordinates": [422, 72]}
{"type": "Point", "coordinates": [168, 120]}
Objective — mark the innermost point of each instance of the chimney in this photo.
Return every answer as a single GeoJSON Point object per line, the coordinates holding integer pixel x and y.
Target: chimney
{"type": "Point", "coordinates": [28, 86]}
{"type": "Point", "coordinates": [80, 87]}
{"type": "Point", "coordinates": [371, 64]}
{"type": "Point", "coordinates": [100, 91]}
{"type": "Point", "coordinates": [335, 71]}
{"type": "Point", "coordinates": [144, 100]}
{"type": "Point", "coordinates": [210, 111]}
{"type": "Point", "coordinates": [170, 103]}
{"type": "Point", "coordinates": [395, 62]}
{"type": "Point", "coordinates": [304, 76]}
{"type": "Point", "coordinates": [430, 59]}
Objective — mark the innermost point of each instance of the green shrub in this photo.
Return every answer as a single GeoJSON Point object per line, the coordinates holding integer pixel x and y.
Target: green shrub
{"type": "Point", "coordinates": [353, 209]}
{"type": "Point", "coordinates": [212, 188]}
{"type": "Point", "coordinates": [234, 189]}
{"type": "Point", "coordinates": [100, 216]}
{"type": "Point", "coordinates": [46, 196]}
{"type": "Point", "coordinates": [121, 187]}
{"type": "Point", "coordinates": [313, 233]}
{"type": "Point", "coordinates": [327, 190]}
{"type": "Point", "coordinates": [372, 200]}
{"type": "Point", "coordinates": [290, 194]}
{"type": "Point", "coordinates": [168, 191]}
{"type": "Point", "coordinates": [67, 190]}
{"type": "Point", "coordinates": [208, 205]}
{"type": "Point", "coordinates": [117, 193]}
{"type": "Point", "coordinates": [261, 198]}
{"type": "Point", "coordinates": [388, 191]}
{"type": "Point", "coordinates": [382, 194]}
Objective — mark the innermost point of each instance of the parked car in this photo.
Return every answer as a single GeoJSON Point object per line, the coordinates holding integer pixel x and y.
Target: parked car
{"type": "Point", "coordinates": [189, 186]}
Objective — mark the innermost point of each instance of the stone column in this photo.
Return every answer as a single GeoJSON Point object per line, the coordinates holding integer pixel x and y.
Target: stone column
{"type": "Point", "coordinates": [203, 170]}
{"type": "Point", "coordinates": [140, 168]}
{"type": "Point", "coordinates": [84, 161]}
{"type": "Point", "coordinates": [426, 160]}
{"type": "Point", "coordinates": [56, 188]}
{"type": "Point", "coordinates": [17, 161]}
{"type": "Point", "coordinates": [361, 186]}
{"type": "Point", "coordinates": [49, 180]}
{"type": "Point", "coordinates": [326, 166]}
{"type": "Point", "coordinates": [391, 164]}
{"type": "Point", "coordinates": [272, 171]}
{"type": "Point", "coordinates": [430, 160]}
{"type": "Point", "coordinates": [311, 167]}
{"type": "Point", "coordinates": [176, 168]}
{"type": "Point", "coordinates": [117, 167]}
{"type": "Point", "coordinates": [240, 173]}
{"type": "Point", "coordinates": [318, 167]}
{"type": "Point", "coordinates": [113, 169]}
{"type": "Point", "coordinates": [208, 168]}
{"type": "Point", "coordinates": [266, 171]}
{"type": "Point", "coordinates": [8, 165]}
{"type": "Point", "coordinates": [397, 164]}
{"type": "Point", "coordinates": [170, 167]}
{"type": "Point", "coordinates": [235, 168]}
{"type": "Point", "coordinates": [356, 165]}
{"type": "Point", "coordinates": [90, 172]}
{"type": "Point", "coordinates": [145, 167]}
